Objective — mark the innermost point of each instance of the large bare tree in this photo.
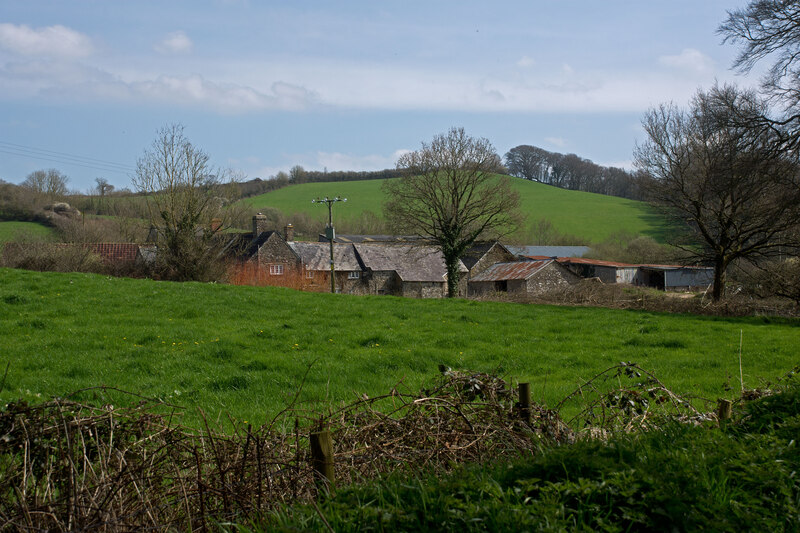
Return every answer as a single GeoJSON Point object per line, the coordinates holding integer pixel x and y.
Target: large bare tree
{"type": "Point", "coordinates": [452, 196]}
{"type": "Point", "coordinates": [769, 31]}
{"type": "Point", "coordinates": [187, 201]}
{"type": "Point", "coordinates": [721, 179]}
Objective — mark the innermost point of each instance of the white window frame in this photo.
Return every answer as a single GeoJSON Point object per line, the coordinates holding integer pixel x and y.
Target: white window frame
{"type": "Point", "coordinates": [353, 274]}
{"type": "Point", "coordinates": [276, 270]}
{"type": "Point", "coordinates": [309, 274]}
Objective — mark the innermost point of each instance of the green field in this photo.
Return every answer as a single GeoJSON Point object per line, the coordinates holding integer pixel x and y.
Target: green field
{"type": "Point", "coordinates": [11, 230]}
{"type": "Point", "coordinates": [245, 350]}
{"type": "Point", "coordinates": [590, 216]}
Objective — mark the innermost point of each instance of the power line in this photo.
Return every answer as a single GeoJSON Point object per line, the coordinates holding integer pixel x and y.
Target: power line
{"type": "Point", "coordinates": [63, 157]}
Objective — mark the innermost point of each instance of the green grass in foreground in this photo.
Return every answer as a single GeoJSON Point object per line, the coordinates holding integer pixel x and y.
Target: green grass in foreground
{"type": "Point", "coordinates": [592, 217]}
{"type": "Point", "coordinates": [681, 478]}
{"type": "Point", "coordinates": [245, 350]}
{"type": "Point", "coordinates": [10, 230]}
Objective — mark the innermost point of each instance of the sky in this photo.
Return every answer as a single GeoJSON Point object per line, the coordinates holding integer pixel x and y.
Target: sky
{"type": "Point", "coordinates": [262, 86]}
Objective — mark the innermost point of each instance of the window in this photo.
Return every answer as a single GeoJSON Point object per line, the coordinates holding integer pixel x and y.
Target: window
{"type": "Point", "coordinates": [276, 270]}
{"type": "Point", "coordinates": [309, 274]}
{"type": "Point", "coordinates": [353, 275]}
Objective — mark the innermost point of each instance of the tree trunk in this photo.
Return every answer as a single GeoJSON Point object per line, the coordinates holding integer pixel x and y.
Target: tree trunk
{"type": "Point", "coordinates": [720, 266]}
{"type": "Point", "coordinates": [453, 276]}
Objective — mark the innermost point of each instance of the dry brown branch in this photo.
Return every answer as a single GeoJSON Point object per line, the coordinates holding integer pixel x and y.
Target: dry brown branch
{"type": "Point", "coordinates": [68, 466]}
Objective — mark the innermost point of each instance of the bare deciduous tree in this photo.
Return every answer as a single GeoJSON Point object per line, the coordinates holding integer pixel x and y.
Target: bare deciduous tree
{"type": "Point", "coordinates": [47, 185]}
{"type": "Point", "coordinates": [452, 196]}
{"type": "Point", "coordinates": [770, 30]}
{"type": "Point", "coordinates": [187, 203]}
{"type": "Point", "coordinates": [721, 179]}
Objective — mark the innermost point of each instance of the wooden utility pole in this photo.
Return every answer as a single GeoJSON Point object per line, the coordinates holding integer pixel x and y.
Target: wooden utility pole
{"type": "Point", "coordinates": [330, 233]}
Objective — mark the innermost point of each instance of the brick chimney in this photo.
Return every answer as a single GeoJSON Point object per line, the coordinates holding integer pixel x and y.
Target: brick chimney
{"type": "Point", "coordinates": [259, 224]}
{"type": "Point", "coordinates": [288, 233]}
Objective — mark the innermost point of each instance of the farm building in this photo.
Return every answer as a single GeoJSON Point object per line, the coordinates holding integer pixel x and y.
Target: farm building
{"type": "Point", "coordinates": [483, 255]}
{"type": "Point", "coordinates": [664, 277]}
{"type": "Point", "coordinates": [316, 257]}
{"type": "Point", "coordinates": [674, 278]}
{"type": "Point", "coordinates": [605, 271]}
{"type": "Point", "coordinates": [406, 270]}
{"type": "Point", "coordinates": [548, 251]}
{"type": "Point", "coordinates": [377, 239]}
{"type": "Point", "coordinates": [522, 278]}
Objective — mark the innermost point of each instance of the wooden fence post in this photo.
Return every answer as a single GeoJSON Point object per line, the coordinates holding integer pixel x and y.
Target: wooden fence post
{"type": "Point", "coordinates": [525, 401]}
{"type": "Point", "coordinates": [724, 411]}
{"type": "Point", "coordinates": [322, 459]}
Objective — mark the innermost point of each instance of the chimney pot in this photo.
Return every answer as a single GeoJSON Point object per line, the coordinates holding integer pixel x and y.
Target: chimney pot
{"type": "Point", "coordinates": [259, 224]}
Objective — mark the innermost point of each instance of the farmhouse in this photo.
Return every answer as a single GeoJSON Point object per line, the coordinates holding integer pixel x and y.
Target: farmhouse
{"type": "Point", "coordinates": [522, 278]}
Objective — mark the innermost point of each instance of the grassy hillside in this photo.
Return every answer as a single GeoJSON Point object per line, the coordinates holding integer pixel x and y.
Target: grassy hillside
{"type": "Point", "coordinates": [592, 217]}
{"type": "Point", "coordinates": [12, 230]}
{"type": "Point", "coordinates": [245, 350]}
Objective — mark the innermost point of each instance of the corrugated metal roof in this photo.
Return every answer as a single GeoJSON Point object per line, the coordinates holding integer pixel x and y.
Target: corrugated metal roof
{"type": "Point", "coordinates": [317, 256]}
{"type": "Point", "coordinates": [411, 262]}
{"type": "Point", "coordinates": [507, 271]}
{"type": "Point", "coordinates": [595, 262]}
{"type": "Point", "coordinates": [599, 262]}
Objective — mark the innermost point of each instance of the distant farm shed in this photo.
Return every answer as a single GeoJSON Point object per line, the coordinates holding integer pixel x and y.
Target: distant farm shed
{"type": "Point", "coordinates": [522, 278]}
{"type": "Point", "coordinates": [675, 278]}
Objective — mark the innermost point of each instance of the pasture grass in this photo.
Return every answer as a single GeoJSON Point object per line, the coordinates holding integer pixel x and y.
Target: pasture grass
{"type": "Point", "coordinates": [246, 351]}
{"type": "Point", "coordinates": [592, 217]}
{"type": "Point", "coordinates": [11, 230]}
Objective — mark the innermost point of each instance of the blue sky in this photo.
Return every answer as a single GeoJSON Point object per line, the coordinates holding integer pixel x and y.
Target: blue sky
{"type": "Point", "coordinates": [348, 85]}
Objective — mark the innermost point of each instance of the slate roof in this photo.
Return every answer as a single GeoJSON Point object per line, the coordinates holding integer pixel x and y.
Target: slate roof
{"type": "Point", "coordinates": [476, 252]}
{"type": "Point", "coordinates": [411, 262]}
{"type": "Point", "coordinates": [549, 251]}
{"type": "Point", "coordinates": [317, 256]}
{"type": "Point", "coordinates": [508, 271]}
{"type": "Point", "coordinates": [372, 238]}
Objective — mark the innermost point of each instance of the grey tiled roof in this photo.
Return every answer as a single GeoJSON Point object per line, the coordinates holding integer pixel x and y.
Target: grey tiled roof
{"type": "Point", "coordinates": [549, 251]}
{"type": "Point", "coordinates": [317, 256]}
{"type": "Point", "coordinates": [411, 262]}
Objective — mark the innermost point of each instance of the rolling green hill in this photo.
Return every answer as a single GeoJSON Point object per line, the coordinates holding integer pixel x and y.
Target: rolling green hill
{"type": "Point", "coordinates": [591, 217]}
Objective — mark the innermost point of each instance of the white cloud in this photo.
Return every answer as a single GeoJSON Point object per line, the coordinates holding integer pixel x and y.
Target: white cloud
{"type": "Point", "coordinates": [526, 62]}
{"type": "Point", "coordinates": [626, 164]}
{"type": "Point", "coordinates": [340, 161]}
{"type": "Point", "coordinates": [225, 97]}
{"type": "Point", "coordinates": [556, 141]}
{"type": "Point", "coordinates": [175, 43]}
{"type": "Point", "coordinates": [55, 41]}
{"type": "Point", "coordinates": [690, 60]}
